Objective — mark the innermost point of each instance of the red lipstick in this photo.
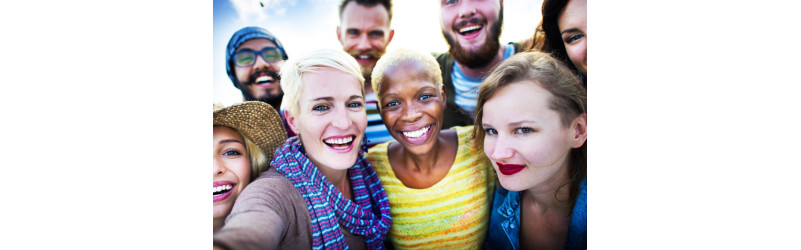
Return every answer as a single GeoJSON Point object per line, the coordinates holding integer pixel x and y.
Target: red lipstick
{"type": "Point", "coordinates": [510, 169]}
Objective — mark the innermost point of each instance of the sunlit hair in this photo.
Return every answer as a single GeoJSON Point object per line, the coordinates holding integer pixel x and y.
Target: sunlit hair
{"type": "Point", "coordinates": [400, 56]}
{"type": "Point", "coordinates": [258, 160]}
{"type": "Point", "coordinates": [368, 3]}
{"type": "Point", "coordinates": [293, 69]}
{"type": "Point", "coordinates": [569, 100]}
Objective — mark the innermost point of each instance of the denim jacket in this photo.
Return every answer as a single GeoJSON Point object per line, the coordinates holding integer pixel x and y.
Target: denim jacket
{"type": "Point", "coordinates": [504, 227]}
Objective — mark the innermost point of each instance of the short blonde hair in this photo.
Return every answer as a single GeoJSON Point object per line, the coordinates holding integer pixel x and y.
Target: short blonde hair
{"type": "Point", "coordinates": [292, 72]}
{"type": "Point", "coordinates": [400, 56]}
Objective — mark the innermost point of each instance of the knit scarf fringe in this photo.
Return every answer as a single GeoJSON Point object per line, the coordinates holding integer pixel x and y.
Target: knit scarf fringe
{"type": "Point", "coordinates": [328, 208]}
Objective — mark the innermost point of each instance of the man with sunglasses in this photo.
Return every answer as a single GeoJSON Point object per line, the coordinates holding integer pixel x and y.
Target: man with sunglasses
{"type": "Point", "coordinates": [253, 61]}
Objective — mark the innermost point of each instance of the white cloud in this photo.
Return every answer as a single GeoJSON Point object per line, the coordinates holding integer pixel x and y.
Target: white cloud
{"type": "Point", "coordinates": [260, 9]}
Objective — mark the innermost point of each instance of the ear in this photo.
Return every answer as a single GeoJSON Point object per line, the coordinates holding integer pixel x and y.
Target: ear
{"type": "Point", "coordinates": [444, 95]}
{"type": "Point", "coordinates": [578, 129]}
{"type": "Point", "coordinates": [339, 34]}
{"type": "Point", "coordinates": [290, 119]}
{"type": "Point", "coordinates": [391, 35]}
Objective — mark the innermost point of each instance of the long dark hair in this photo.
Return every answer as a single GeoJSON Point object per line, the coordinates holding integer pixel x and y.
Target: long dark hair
{"type": "Point", "coordinates": [548, 35]}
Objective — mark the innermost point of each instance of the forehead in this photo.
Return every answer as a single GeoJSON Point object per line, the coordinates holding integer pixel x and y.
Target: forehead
{"type": "Point", "coordinates": [407, 71]}
{"type": "Point", "coordinates": [222, 132]}
{"type": "Point", "coordinates": [527, 98]}
{"type": "Point", "coordinates": [575, 12]}
{"type": "Point", "coordinates": [256, 44]}
{"type": "Point", "coordinates": [328, 82]}
{"type": "Point", "coordinates": [358, 16]}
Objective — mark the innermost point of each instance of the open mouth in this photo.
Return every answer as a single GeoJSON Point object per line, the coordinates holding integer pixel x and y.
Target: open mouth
{"type": "Point", "coordinates": [265, 79]}
{"type": "Point", "coordinates": [220, 191]}
{"type": "Point", "coordinates": [470, 30]}
{"type": "Point", "coordinates": [417, 136]}
{"type": "Point", "coordinates": [340, 143]}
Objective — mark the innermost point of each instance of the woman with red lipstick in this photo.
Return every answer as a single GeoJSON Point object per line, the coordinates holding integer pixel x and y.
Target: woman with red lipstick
{"type": "Point", "coordinates": [532, 124]}
{"type": "Point", "coordinates": [245, 136]}
{"type": "Point", "coordinates": [320, 193]}
{"type": "Point", "coordinates": [437, 182]}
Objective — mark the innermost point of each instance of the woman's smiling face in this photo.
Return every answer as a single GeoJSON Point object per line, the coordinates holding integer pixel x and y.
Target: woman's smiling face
{"type": "Point", "coordinates": [231, 169]}
{"type": "Point", "coordinates": [412, 107]}
{"type": "Point", "coordinates": [331, 119]}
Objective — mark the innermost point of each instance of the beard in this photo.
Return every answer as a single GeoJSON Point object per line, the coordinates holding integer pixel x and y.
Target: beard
{"type": "Point", "coordinates": [367, 71]}
{"type": "Point", "coordinates": [272, 99]}
{"type": "Point", "coordinates": [485, 54]}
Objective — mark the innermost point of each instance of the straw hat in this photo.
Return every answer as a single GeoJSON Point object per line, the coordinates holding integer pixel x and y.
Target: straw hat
{"type": "Point", "coordinates": [257, 121]}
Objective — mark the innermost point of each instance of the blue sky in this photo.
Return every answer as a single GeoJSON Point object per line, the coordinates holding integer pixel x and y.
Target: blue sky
{"type": "Point", "coordinates": [307, 25]}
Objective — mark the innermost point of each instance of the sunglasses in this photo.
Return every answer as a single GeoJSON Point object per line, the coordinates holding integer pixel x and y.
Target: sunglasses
{"type": "Point", "coordinates": [246, 57]}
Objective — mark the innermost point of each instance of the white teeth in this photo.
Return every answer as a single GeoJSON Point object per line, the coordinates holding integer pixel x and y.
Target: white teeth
{"type": "Point", "coordinates": [469, 28]}
{"type": "Point", "coordinates": [221, 188]}
{"type": "Point", "coordinates": [339, 141]}
{"type": "Point", "coordinates": [417, 133]}
{"type": "Point", "coordinates": [264, 79]}
{"type": "Point", "coordinates": [364, 57]}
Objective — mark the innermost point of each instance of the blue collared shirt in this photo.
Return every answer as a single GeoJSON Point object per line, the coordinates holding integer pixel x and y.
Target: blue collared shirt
{"type": "Point", "coordinates": [504, 230]}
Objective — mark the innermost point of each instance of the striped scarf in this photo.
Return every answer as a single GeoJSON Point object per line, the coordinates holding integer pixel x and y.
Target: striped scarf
{"type": "Point", "coordinates": [369, 216]}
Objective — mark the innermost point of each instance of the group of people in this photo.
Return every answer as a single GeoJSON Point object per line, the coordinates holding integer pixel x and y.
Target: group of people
{"type": "Point", "coordinates": [483, 146]}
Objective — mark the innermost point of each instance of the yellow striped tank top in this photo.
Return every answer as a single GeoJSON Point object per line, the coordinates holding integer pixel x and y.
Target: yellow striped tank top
{"type": "Point", "coordinates": [453, 213]}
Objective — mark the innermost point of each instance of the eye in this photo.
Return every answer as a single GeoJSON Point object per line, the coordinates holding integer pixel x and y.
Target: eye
{"type": "Point", "coordinates": [523, 130]}
{"type": "Point", "coordinates": [424, 96]}
{"type": "Point", "coordinates": [232, 152]}
{"type": "Point", "coordinates": [354, 104]}
{"type": "Point", "coordinates": [376, 34]}
{"type": "Point", "coordinates": [392, 104]}
{"type": "Point", "coordinates": [320, 108]}
{"type": "Point", "coordinates": [490, 131]}
{"type": "Point", "coordinates": [353, 32]}
{"type": "Point", "coordinates": [449, 2]}
{"type": "Point", "coordinates": [572, 38]}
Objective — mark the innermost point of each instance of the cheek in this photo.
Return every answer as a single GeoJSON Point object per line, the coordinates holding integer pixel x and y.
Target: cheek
{"type": "Point", "coordinates": [241, 168]}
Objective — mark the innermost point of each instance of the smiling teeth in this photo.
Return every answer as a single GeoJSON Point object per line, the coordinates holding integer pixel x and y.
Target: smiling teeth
{"type": "Point", "coordinates": [339, 141]}
{"type": "Point", "coordinates": [364, 57]}
{"type": "Point", "coordinates": [264, 79]}
{"type": "Point", "coordinates": [418, 133]}
{"type": "Point", "coordinates": [469, 28]}
{"type": "Point", "coordinates": [221, 188]}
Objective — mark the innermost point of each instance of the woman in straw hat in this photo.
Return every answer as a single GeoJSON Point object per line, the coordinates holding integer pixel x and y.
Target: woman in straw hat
{"type": "Point", "coordinates": [320, 191]}
{"type": "Point", "coordinates": [245, 138]}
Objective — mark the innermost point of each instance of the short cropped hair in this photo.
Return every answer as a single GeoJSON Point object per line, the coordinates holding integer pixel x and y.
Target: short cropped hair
{"type": "Point", "coordinates": [397, 57]}
{"type": "Point", "coordinates": [368, 3]}
{"type": "Point", "coordinates": [292, 72]}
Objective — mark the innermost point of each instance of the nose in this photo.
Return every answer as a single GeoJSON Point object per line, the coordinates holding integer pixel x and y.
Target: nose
{"type": "Point", "coordinates": [260, 63]}
{"type": "Point", "coordinates": [410, 113]}
{"type": "Point", "coordinates": [219, 166]}
{"type": "Point", "coordinates": [501, 150]}
{"type": "Point", "coordinates": [466, 10]}
{"type": "Point", "coordinates": [363, 43]}
{"type": "Point", "coordinates": [341, 119]}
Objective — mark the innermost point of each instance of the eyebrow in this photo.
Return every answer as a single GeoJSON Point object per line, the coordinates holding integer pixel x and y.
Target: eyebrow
{"type": "Point", "coordinates": [231, 140]}
{"type": "Point", "coordinates": [571, 30]}
{"type": "Point", "coordinates": [331, 99]}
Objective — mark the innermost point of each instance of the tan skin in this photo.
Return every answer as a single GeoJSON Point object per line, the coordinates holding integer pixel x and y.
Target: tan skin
{"type": "Point", "coordinates": [410, 101]}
